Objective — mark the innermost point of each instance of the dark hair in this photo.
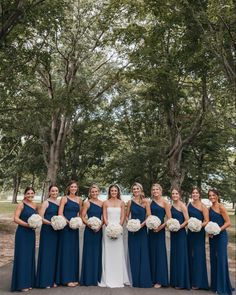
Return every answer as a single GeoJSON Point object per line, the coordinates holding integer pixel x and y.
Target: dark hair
{"type": "Point", "coordinates": [177, 189]}
{"type": "Point", "coordinates": [29, 188]}
{"type": "Point", "coordinates": [68, 187]}
{"type": "Point", "coordinates": [197, 189]}
{"type": "Point", "coordinates": [50, 187]}
{"type": "Point", "coordinates": [214, 191]}
{"type": "Point", "coordinates": [109, 191]}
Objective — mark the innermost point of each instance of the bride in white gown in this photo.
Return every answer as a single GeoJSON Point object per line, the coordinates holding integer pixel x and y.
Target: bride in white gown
{"type": "Point", "coordinates": [114, 267]}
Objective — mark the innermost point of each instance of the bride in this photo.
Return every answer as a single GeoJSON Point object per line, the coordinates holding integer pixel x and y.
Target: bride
{"type": "Point", "coordinates": [114, 268]}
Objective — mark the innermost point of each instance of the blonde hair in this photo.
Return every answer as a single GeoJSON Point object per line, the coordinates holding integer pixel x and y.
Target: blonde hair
{"type": "Point", "coordinates": [141, 188]}
{"type": "Point", "coordinates": [91, 187]}
{"type": "Point", "coordinates": [157, 185]}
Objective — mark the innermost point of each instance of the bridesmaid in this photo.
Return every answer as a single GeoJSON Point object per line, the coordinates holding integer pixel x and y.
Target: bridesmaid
{"type": "Point", "coordinates": [23, 275]}
{"type": "Point", "coordinates": [157, 239]}
{"type": "Point", "coordinates": [92, 248]}
{"type": "Point", "coordinates": [196, 243]}
{"type": "Point", "coordinates": [139, 208]}
{"type": "Point", "coordinates": [68, 249]}
{"type": "Point", "coordinates": [46, 272]}
{"type": "Point", "coordinates": [179, 268]}
{"type": "Point", "coordinates": [220, 280]}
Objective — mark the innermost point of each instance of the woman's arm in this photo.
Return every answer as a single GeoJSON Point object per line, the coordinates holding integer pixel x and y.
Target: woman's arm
{"type": "Point", "coordinates": [225, 215]}
{"type": "Point", "coordinates": [148, 211]}
{"type": "Point", "coordinates": [84, 212]}
{"type": "Point", "coordinates": [62, 206]}
{"type": "Point", "coordinates": [122, 215]}
{"type": "Point", "coordinates": [186, 216]}
{"type": "Point", "coordinates": [168, 215]}
{"type": "Point", "coordinates": [42, 210]}
{"type": "Point", "coordinates": [104, 213]}
{"type": "Point", "coordinates": [128, 210]}
{"type": "Point", "coordinates": [17, 214]}
{"type": "Point", "coordinates": [80, 206]}
{"type": "Point", "coordinates": [205, 213]}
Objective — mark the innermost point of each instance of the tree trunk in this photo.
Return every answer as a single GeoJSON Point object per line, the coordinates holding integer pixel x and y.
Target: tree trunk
{"type": "Point", "coordinates": [16, 185]}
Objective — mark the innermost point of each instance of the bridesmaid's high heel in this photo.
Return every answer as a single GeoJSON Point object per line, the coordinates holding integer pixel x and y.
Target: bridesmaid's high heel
{"type": "Point", "coordinates": [157, 286]}
{"type": "Point", "coordinates": [25, 290]}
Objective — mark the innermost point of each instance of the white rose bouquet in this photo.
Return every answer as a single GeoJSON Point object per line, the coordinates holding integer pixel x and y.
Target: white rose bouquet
{"type": "Point", "coordinates": [133, 225]}
{"type": "Point", "coordinates": [173, 224]}
{"type": "Point", "coordinates": [94, 223]}
{"type": "Point", "coordinates": [212, 228]}
{"type": "Point", "coordinates": [75, 223]}
{"type": "Point", "coordinates": [153, 222]}
{"type": "Point", "coordinates": [58, 222]}
{"type": "Point", "coordinates": [35, 221]}
{"type": "Point", "coordinates": [113, 231]}
{"type": "Point", "coordinates": [194, 224]}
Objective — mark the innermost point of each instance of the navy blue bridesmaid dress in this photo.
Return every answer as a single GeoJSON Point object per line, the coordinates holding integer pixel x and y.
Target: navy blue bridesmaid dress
{"type": "Point", "coordinates": [157, 249]}
{"type": "Point", "coordinates": [92, 251]}
{"type": "Point", "coordinates": [23, 275]}
{"type": "Point", "coordinates": [138, 250]}
{"type": "Point", "coordinates": [179, 268]}
{"type": "Point", "coordinates": [46, 272]}
{"type": "Point", "coordinates": [220, 280]}
{"type": "Point", "coordinates": [68, 248]}
{"type": "Point", "coordinates": [197, 252]}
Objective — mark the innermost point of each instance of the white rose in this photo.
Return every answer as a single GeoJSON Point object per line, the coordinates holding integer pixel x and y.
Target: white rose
{"type": "Point", "coordinates": [212, 228]}
{"type": "Point", "coordinates": [35, 221]}
{"type": "Point", "coordinates": [133, 225]}
{"type": "Point", "coordinates": [173, 224]}
{"type": "Point", "coordinates": [58, 222]}
{"type": "Point", "coordinates": [194, 224]}
{"type": "Point", "coordinates": [153, 222]}
{"type": "Point", "coordinates": [75, 222]}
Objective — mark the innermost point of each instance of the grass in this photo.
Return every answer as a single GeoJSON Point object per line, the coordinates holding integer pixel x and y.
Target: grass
{"type": "Point", "coordinates": [6, 207]}
{"type": "Point", "coordinates": [232, 229]}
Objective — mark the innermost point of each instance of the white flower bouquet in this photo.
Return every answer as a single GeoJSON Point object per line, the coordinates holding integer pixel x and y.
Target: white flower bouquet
{"type": "Point", "coordinates": [35, 221]}
{"type": "Point", "coordinates": [153, 222]}
{"type": "Point", "coordinates": [58, 222]}
{"type": "Point", "coordinates": [212, 228]}
{"type": "Point", "coordinates": [173, 224]}
{"type": "Point", "coordinates": [94, 223]}
{"type": "Point", "coordinates": [75, 223]}
{"type": "Point", "coordinates": [133, 225]}
{"type": "Point", "coordinates": [194, 224]}
{"type": "Point", "coordinates": [113, 231]}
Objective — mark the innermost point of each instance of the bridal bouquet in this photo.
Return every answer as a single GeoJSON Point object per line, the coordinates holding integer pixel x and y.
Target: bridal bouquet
{"type": "Point", "coordinates": [35, 221]}
{"type": "Point", "coordinates": [212, 228]}
{"type": "Point", "coordinates": [75, 223]}
{"type": "Point", "coordinates": [113, 231]}
{"type": "Point", "coordinates": [194, 224]}
{"type": "Point", "coordinates": [133, 225]}
{"type": "Point", "coordinates": [58, 222]}
{"type": "Point", "coordinates": [94, 223]}
{"type": "Point", "coordinates": [153, 222]}
{"type": "Point", "coordinates": [173, 224]}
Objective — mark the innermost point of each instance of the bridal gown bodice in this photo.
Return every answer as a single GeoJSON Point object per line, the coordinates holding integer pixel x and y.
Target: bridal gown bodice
{"type": "Point", "coordinates": [114, 269]}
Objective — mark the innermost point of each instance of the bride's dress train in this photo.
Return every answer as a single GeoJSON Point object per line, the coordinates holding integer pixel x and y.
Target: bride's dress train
{"type": "Point", "coordinates": [114, 268]}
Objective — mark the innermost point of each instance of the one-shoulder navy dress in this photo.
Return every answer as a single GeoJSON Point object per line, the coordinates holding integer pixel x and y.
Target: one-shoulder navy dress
{"type": "Point", "coordinates": [48, 247]}
{"type": "Point", "coordinates": [220, 280]}
{"type": "Point", "coordinates": [197, 252]}
{"type": "Point", "coordinates": [68, 249]}
{"type": "Point", "coordinates": [92, 251]}
{"type": "Point", "coordinates": [179, 268]}
{"type": "Point", "coordinates": [157, 249]}
{"type": "Point", "coordinates": [138, 250]}
{"type": "Point", "coordinates": [23, 275]}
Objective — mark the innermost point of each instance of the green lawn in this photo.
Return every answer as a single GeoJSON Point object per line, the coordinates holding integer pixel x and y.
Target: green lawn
{"type": "Point", "coordinates": [7, 207]}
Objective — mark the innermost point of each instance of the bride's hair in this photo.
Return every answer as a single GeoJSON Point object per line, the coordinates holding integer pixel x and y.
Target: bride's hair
{"type": "Point", "coordinates": [109, 191]}
{"type": "Point", "coordinates": [141, 189]}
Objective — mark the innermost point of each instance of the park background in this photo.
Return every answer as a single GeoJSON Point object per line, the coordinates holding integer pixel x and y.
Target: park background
{"type": "Point", "coordinates": [116, 91]}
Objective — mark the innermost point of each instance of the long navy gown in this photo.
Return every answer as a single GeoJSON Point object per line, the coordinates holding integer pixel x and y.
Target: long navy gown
{"type": "Point", "coordinates": [46, 272]}
{"type": "Point", "coordinates": [68, 248]}
{"type": "Point", "coordinates": [23, 275]}
{"type": "Point", "coordinates": [92, 251]}
{"type": "Point", "coordinates": [220, 280]}
{"type": "Point", "coordinates": [197, 253]}
{"type": "Point", "coordinates": [157, 249]}
{"type": "Point", "coordinates": [179, 268]}
{"type": "Point", "coordinates": [138, 250]}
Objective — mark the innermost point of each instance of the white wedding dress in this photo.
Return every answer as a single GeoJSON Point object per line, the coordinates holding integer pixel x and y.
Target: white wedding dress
{"type": "Point", "coordinates": [114, 267]}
